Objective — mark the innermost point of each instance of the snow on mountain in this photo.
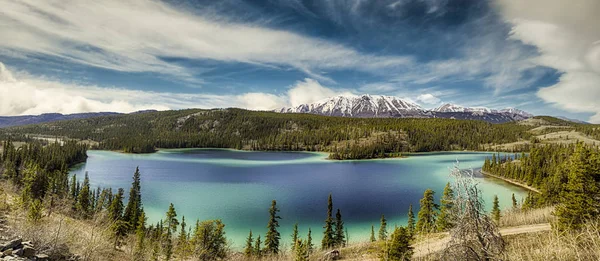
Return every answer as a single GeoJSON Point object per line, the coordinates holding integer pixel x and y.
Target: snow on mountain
{"type": "Point", "coordinates": [448, 107]}
{"type": "Point", "coordinates": [517, 113]}
{"type": "Point", "coordinates": [388, 106]}
{"type": "Point", "coordinates": [358, 106]}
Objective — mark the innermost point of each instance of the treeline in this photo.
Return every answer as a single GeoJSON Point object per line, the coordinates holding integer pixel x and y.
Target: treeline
{"type": "Point", "coordinates": [567, 176]}
{"type": "Point", "coordinates": [252, 130]}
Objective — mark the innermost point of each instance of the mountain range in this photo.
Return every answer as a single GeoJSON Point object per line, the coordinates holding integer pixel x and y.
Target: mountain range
{"type": "Point", "coordinates": [10, 121]}
{"type": "Point", "coordinates": [379, 106]}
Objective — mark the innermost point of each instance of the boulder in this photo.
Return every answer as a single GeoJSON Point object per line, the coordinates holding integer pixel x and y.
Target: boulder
{"type": "Point", "coordinates": [42, 257]}
{"type": "Point", "coordinates": [11, 244]}
{"type": "Point", "coordinates": [7, 252]}
{"type": "Point", "coordinates": [28, 252]}
{"type": "Point", "coordinates": [18, 252]}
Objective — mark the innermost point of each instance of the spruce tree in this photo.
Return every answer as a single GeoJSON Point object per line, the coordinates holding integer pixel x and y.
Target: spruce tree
{"type": "Point", "coordinates": [496, 210]}
{"type": "Point", "coordinates": [399, 246]}
{"type": "Point", "coordinates": [182, 240]}
{"type": "Point", "coordinates": [514, 202]}
{"type": "Point", "coordinates": [427, 213]}
{"type": "Point", "coordinates": [328, 234]}
{"type": "Point", "coordinates": [579, 199]}
{"type": "Point", "coordinates": [171, 221]}
{"type": "Point", "coordinates": [83, 198]}
{"type": "Point", "coordinates": [257, 249]}
{"type": "Point", "coordinates": [249, 250]}
{"type": "Point", "coordinates": [383, 229]}
{"type": "Point", "coordinates": [134, 205]}
{"type": "Point", "coordinates": [273, 236]}
{"type": "Point", "coordinates": [444, 220]}
{"type": "Point", "coordinates": [140, 233]}
{"type": "Point", "coordinates": [294, 236]}
{"type": "Point", "coordinates": [411, 220]}
{"type": "Point", "coordinates": [340, 238]}
{"type": "Point", "coordinates": [309, 243]}
{"type": "Point", "coordinates": [372, 239]}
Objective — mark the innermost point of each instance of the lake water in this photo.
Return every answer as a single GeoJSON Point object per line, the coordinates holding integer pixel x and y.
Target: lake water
{"type": "Point", "coordinates": [238, 186]}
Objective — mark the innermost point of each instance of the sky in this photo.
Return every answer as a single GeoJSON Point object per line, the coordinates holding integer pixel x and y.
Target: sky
{"type": "Point", "coordinates": [70, 56]}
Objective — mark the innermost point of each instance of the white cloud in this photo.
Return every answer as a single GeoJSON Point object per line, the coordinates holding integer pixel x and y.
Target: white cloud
{"type": "Point", "coordinates": [23, 94]}
{"type": "Point", "coordinates": [566, 36]}
{"type": "Point", "coordinates": [134, 35]}
{"type": "Point", "coordinates": [428, 98]}
{"type": "Point", "coordinates": [309, 91]}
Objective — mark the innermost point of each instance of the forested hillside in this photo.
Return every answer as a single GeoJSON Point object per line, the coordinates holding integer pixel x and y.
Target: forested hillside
{"type": "Point", "coordinates": [241, 129]}
{"type": "Point", "coordinates": [568, 175]}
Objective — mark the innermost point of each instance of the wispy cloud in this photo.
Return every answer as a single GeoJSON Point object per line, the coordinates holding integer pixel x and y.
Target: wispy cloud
{"type": "Point", "coordinates": [134, 36]}
{"type": "Point", "coordinates": [567, 39]}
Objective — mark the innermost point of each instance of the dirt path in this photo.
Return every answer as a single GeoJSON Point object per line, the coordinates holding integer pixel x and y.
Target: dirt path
{"type": "Point", "coordinates": [438, 242]}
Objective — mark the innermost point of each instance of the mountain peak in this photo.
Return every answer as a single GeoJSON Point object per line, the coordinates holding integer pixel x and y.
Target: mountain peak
{"type": "Point", "coordinates": [381, 106]}
{"type": "Point", "coordinates": [364, 105]}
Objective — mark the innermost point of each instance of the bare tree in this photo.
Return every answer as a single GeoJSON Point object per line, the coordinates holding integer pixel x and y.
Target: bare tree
{"type": "Point", "coordinates": [475, 236]}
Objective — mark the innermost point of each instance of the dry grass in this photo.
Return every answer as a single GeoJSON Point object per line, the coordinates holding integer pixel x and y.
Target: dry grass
{"type": "Point", "coordinates": [513, 218]}
{"type": "Point", "coordinates": [553, 245]}
{"type": "Point", "coordinates": [59, 235]}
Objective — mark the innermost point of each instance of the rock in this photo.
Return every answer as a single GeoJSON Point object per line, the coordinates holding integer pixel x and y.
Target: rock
{"type": "Point", "coordinates": [7, 252]}
{"type": "Point", "coordinates": [42, 257]}
{"type": "Point", "coordinates": [28, 252]}
{"type": "Point", "coordinates": [18, 252]}
{"type": "Point", "coordinates": [12, 244]}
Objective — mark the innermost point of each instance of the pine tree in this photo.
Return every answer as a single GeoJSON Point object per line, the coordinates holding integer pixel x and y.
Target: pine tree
{"type": "Point", "coordinates": [134, 204]}
{"type": "Point", "coordinates": [427, 213]}
{"type": "Point", "coordinates": [496, 210]}
{"type": "Point", "coordinates": [182, 240]}
{"type": "Point", "coordinates": [249, 250]}
{"type": "Point", "coordinates": [372, 239]}
{"type": "Point", "coordinates": [171, 221]}
{"type": "Point", "coordinates": [340, 238]}
{"type": "Point", "coordinates": [73, 187]}
{"type": "Point", "coordinates": [578, 201]}
{"type": "Point", "coordinates": [514, 202]}
{"type": "Point", "coordinates": [309, 243]}
{"type": "Point", "coordinates": [115, 210]}
{"type": "Point", "coordinates": [411, 220]}
{"type": "Point", "coordinates": [328, 234]}
{"type": "Point", "coordinates": [294, 236]}
{"type": "Point", "coordinates": [301, 252]}
{"type": "Point", "coordinates": [257, 250]}
{"type": "Point", "coordinates": [83, 198]}
{"type": "Point", "coordinates": [383, 229]}
{"type": "Point", "coordinates": [140, 233]}
{"type": "Point", "coordinates": [444, 220]}
{"type": "Point", "coordinates": [273, 236]}
{"type": "Point", "coordinates": [399, 246]}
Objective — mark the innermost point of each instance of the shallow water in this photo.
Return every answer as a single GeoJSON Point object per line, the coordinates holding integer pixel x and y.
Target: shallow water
{"type": "Point", "coordinates": [238, 186]}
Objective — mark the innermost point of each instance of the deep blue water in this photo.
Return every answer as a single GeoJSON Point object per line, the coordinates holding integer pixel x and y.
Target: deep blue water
{"type": "Point", "coordinates": [238, 186]}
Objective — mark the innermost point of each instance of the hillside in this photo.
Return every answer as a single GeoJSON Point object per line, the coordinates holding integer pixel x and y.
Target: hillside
{"type": "Point", "coordinates": [251, 130]}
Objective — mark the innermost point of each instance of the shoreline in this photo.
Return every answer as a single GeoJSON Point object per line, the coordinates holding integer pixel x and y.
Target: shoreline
{"type": "Point", "coordinates": [530, 188]}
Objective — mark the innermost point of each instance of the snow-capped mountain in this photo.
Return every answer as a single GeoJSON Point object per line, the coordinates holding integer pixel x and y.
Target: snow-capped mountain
{"type": "Point", "coordinates": [359, 106]}
{"type": "Point", "coordinates": [448, 107]}
{"type": "Point", "coordinates": [516, 113]}
{"type": "Point", "coordinates": [379, 106]}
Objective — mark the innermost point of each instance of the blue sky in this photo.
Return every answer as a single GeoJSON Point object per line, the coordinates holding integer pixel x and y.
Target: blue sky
{"type": "Point", "coordinates": [542, 56]}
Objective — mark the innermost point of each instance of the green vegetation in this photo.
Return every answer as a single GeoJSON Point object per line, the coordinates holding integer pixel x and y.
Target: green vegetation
{"type": "Point", "coordinates": [444, 220]}
{"type": "Point", "coordinates": [273, 236]}
{"type": "Point", "coordinates": [496, 210]}
{"type": "Point", "coordinates": [345, 138]}
{"type": "Point", "coordinates": [427, 213]}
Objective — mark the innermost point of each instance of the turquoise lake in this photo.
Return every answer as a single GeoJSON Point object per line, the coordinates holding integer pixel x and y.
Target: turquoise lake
{"type": "Point", "coordinates": [238, 187]}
